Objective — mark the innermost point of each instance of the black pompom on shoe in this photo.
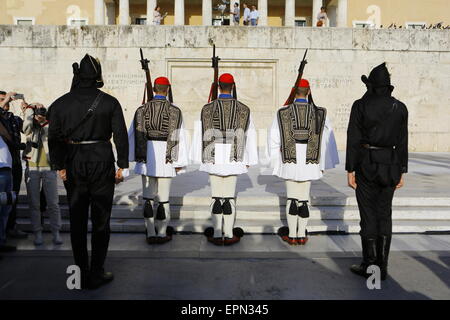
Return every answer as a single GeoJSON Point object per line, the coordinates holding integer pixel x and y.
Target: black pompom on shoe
{"type": "Point", "coordinates": [209, 232]}
{"type": "Point", "coordinates": [238, 232]}
{"type": "Point", "coordinates": [283, 231]}
{"type": "Point", "coordinates": [170, 231]}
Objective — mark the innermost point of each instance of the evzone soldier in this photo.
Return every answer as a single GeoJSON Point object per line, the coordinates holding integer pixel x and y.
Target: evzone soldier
{"type": "Point", "coordinates": [225, 145]}
{"type": "Point", "coordinates": [81, 124]}
{"type": "Point", "coordinates": [158, 146]}
{"type": "Point", "coordinates": [377, 158]}
{"type": "Point", "coordinates": [301, 146]}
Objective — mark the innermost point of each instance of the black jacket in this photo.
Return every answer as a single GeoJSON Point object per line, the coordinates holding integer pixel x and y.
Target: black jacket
{"type": "Point", "coordinates": [107, 121]}
{"type": "Point", "coordinates": [380, 120]}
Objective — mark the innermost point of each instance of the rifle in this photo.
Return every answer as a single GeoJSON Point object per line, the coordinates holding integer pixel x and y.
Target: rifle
{"type": "Point", "coordinates": [291, 97]}
{"type": "Point", "coordinates": [148, 85]}
{"type": "Point", "coordinates": [214, 86]}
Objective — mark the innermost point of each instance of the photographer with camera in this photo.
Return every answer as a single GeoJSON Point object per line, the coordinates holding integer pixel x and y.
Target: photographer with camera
{"type": "Point", "coordinates": [10, 164]}
{"type": "Point", "coordinates": [39, 171]}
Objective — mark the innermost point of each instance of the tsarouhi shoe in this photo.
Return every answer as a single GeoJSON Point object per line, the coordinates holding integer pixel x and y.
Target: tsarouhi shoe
{"type": "Point", "coordinates": [231, 241]}
{"type": "Point", "coordinates": [96, 280]}
{"type": "Point", "coordinates": [162, 240]}
{"type": "Point", "coordinates": [303, 240]}
{"type": "Point", "coordinates": [151, 240]}
{"type": "Point", "coordinates": [216, 241]}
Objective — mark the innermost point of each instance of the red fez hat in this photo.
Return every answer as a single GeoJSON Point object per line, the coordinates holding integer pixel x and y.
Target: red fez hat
{"type": "Point", "coordinates": [303, 83]}
{"type": "Point", "coordinates": [163, 81]}
{"type": "Point", "coordinates": [226, 78]}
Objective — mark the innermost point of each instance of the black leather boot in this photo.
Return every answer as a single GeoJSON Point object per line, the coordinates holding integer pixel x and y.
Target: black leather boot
{"type": "Point", "coordinates": [100, 278]}
{"type": "Point", "coordinates": [383, 247]}
{"type": "Point", "coordinates": [369, 251]}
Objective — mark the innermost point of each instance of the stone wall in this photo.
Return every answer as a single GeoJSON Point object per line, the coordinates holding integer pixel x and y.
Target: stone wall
{"type": "Point", "coordinates": [37, 61]}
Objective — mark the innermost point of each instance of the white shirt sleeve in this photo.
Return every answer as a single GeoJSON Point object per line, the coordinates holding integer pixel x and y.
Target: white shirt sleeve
{"type": "Point", "coordinates": [251, 145]}
{"type": "Point", "coordinates": [131, 155]}
{"type": "Point", "coordinates": [274, 142]}
{"type": "Point", "coordinates": [329, 157]}
{"type": "Point", "coordinates": [183, 154]}
{"type": "Point", "coordinates": [196, 146]}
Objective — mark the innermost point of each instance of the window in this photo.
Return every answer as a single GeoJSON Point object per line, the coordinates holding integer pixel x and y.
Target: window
{"type": "Point", "coordinates": [24, 21]}
{"type": "Point", "coordinates": [363, 24]}
{"type": "Point", "coordinates": [300, 22]}
{"type": "Point", "coordinates": [76, 22]}
{"type": "Point", "coordinates": [141, 21]}
{"type": "Point", "coordinates": [415, 25]}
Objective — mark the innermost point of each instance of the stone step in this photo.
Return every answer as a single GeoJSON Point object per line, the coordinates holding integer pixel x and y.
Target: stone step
{"type": "Point", "coordinates": [271, 213]}
{"type": "Point", "coordinates": [267, 227]}
{"type": "Point", "coordinates": [264, 200]}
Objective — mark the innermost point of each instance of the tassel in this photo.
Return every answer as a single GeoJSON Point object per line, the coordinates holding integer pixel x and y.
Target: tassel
{"type": "Point", "coordinates": [217, 206]}
{"type": "Point", "coordinates": [170, 94]}
{"type": "Point", "coordinates": [293, 209]}
{"type": "Point", "coordinates": [303, 210]}
{"type": "Point", "coordinates": [148, 209]}
{"type": "Point", "coordinates": [226, 207]}
{"type": "Point", "coordinates": [234, 91]}
{"type": "Point", "coordinates": [161, 212]}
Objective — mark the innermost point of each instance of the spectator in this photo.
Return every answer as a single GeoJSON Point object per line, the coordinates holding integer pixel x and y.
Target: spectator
{"type": "Point", "coordinates": [254, 16]}
{"type": "Point", "coordinates": [236, 14]}
{"type": "Point", "coordinates": [39, 171]}
{"type": "Point", "coordinates": [246, 15]}
{"type": "Point", "coordinates": [9, 149]}
{"type": "Point", "coordinates": [322, 17]}
{"type": "Point", "coordinates": [14, 125]}
{"type": "Point", "coordinates": [157, 17]}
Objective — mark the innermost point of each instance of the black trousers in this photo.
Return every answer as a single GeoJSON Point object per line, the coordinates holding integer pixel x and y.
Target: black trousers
{"type": "Point", "coordinates": [375, 207]}
{"type": "Point", "coordinates": [90, 185]}
{"type": "Point", "coordinates": [17, 180]}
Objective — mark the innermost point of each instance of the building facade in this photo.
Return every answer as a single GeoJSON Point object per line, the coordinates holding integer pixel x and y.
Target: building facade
{"type": "Point", "coordinates": [341, 13]}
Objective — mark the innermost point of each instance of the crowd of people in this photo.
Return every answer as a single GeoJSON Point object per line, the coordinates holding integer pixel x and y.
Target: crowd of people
{"type": "Point", "coordinates": [40, 179]}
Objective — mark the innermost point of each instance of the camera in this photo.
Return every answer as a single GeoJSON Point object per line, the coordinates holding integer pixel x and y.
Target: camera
{"type": "Point", "coordinates": [7, 198]}
{"type": "Point", "coordinates": [18, 96]}
{"type": "Point", "coordinates": [40, 112]}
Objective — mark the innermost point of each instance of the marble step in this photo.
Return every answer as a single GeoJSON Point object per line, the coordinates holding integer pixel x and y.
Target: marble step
{"type": "Point", "coordinates": [264, 200]}
{"type": "Point", "coordinates": [271, 213]}
{"type": "Point", "coordinates": [264, 227]}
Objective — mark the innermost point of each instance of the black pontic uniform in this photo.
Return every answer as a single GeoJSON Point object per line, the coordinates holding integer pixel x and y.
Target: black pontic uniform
{"type": "Point", "coordinates": [377, 151]}
{"type": "Point", "coordinates": [90, 167]}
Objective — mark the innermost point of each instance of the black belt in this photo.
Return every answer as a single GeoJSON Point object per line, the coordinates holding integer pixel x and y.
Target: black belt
{"type": "Point", "coordinates": [5, 169]}
{"type": "Point", "coordinates": [368, 146]}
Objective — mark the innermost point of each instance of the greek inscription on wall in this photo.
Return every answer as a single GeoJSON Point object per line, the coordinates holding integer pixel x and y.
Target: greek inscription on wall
{"type": "Point", "coordinates": [341, 116]}
{"type": "Point", "coordinates": [122, 81]}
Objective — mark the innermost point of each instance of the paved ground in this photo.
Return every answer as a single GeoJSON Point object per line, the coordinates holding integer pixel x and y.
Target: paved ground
{"type": "Point", "coordinates": [260, 267]}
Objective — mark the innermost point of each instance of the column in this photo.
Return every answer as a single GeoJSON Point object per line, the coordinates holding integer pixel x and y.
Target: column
{"type": "Point", "coordinates": [124, 12]}
{"type": "Point", "coordinates": [151, 4]}
{"type": "Point", "coordinates": [341, 15]}
{"type": "Point", "coordinates": [317, 4]}
{"type": "Point", "coordinates": [289, 13]}
{"type": "Point", "coordinates": [206, 12]}
{"type": "Point", "coordinates": [179, 12]}
{"type": "Point", "coordinates": [262, 9]}
{"type": "Point", "coordinates": [99, 12]}
{"type": "Point", "coordinates": [232, 2]}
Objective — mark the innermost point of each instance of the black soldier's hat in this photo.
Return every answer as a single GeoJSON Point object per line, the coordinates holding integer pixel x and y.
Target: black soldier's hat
{"type": "Point", "coordinates": [379, 77]}
{"type": "Point", "coordinates": [88, 71]}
